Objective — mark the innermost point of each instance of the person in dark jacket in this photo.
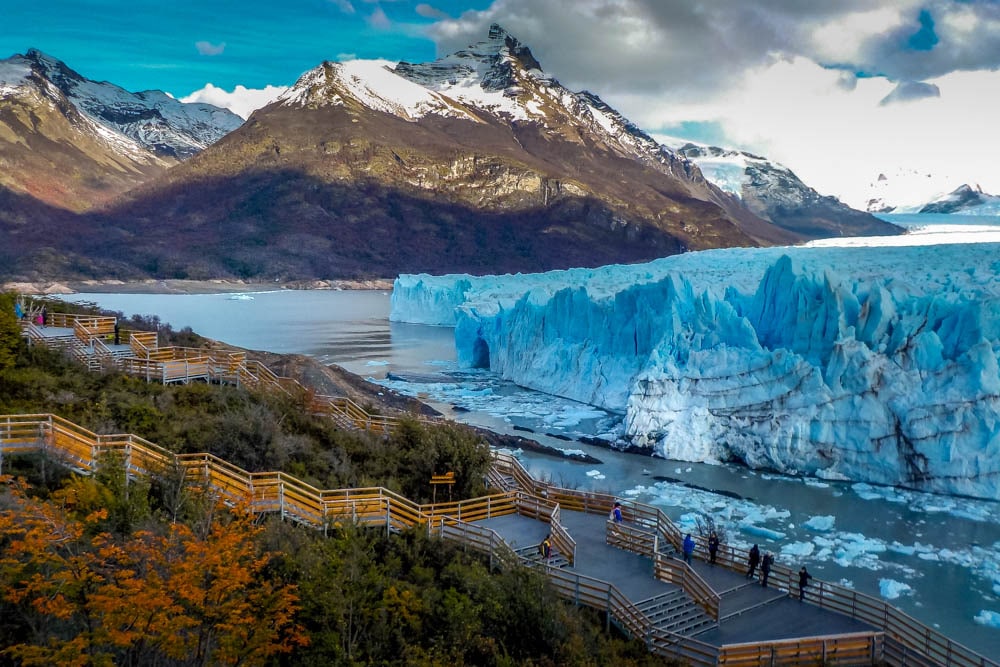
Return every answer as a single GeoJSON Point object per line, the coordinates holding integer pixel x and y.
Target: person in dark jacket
{"type": "Point", "coordinates": [765, 568]}
{"type": "Point", "coordinates": [713, 547]}
{"type": "Point", "coordinates": [804, 578]}
{"type": "Point", "coordinates": [752, 561]}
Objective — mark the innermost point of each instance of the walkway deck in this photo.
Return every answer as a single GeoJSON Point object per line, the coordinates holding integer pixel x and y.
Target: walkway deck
{"type": "Point", "coordinates": [749, 612]}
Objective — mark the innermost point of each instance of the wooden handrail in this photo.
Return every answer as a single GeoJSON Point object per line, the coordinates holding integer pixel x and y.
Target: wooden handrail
{"type": "Point", "coordinates": [678, 572]}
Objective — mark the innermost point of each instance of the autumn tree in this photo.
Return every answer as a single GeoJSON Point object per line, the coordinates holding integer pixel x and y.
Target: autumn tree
{"type": "Point", "coordinates": [167, 598]}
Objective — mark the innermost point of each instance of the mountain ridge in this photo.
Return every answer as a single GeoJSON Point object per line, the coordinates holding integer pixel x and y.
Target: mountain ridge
{"type": "Point", "coordinates": [476, 162]}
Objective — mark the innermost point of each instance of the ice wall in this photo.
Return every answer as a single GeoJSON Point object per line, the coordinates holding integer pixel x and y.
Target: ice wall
{"type": "Point", "coordinates": [874, 364]}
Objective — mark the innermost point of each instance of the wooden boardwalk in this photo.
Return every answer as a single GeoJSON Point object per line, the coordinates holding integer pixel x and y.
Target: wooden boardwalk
{"type": "Point", "coordinates": [749, 612]}
{"type": "Point", "coordinates": [703, 614]}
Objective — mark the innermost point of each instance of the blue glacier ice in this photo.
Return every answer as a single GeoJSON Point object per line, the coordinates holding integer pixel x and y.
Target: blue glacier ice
{"type": "Point", "coordinates": [875, 364]}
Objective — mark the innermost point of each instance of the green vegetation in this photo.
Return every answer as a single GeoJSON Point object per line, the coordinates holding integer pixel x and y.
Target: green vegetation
{"type": "Point", "coordinates": [107, 570]}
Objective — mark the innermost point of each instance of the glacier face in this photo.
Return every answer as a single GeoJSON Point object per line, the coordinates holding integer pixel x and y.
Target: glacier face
{"type": "Point", "coordinates": [876, 363]}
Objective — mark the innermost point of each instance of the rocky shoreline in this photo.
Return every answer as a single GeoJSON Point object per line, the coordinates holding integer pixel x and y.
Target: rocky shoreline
{"type": "Point", "coordinates": [219, 286]}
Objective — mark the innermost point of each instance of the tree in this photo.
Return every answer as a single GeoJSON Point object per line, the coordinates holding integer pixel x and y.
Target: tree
{"type": "Point", "coordinates": [10, 330]}
{"type": "Point", "coordinates": [170, 597]}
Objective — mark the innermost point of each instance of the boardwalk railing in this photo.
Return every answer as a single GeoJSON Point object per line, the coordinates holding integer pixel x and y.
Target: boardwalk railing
{"type": "Point", "coordinates": [906, 640]}
{"type": "Point", "coordinates": [88, 344]}
{"type": "Point", "coordinates": [861, 648]}
{"type": "Point", "coordinates": [679, 573]}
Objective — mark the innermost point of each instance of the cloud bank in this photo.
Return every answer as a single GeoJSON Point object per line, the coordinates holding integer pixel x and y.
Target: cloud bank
{"type": "Point", "coordinates": [839, 92]}
{"type": "Point", "coordinates": [241, 101]}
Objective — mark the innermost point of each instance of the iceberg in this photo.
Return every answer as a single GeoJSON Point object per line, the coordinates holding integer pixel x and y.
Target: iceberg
{"type": "Point", "coordinates": [873, 364]}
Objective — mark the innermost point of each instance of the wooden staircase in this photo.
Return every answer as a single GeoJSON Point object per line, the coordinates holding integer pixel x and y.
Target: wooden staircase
{"type": "Point", "coordinates": [530, 556]}
{"type": "Point", "coordinates": [676, 612]}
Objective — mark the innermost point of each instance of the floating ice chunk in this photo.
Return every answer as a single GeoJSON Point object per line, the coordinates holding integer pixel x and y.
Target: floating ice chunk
{"type": "Point", "coordinates": [798, 549]}
{"type": "Point", "coordinates": [815, 483]}
{"type": "Point", "coordinates": [904, 549]}
{"type": "Point", "coordinates": [594, 473]}
{"type": "Point", "coordinates": [574, 452]}
{"type": "Point", "coordinates": [761, 531]}
{"type": "Point", "coordinates": [820, 523]}
{"type": "Point", "coordinates": [891, 589]}
{"type": "Point", "coordinates": [988, 618]}
{"type": "Point", "coordinates": [373, 362]}
{"type": "Point", "coordinates": [865, 491]}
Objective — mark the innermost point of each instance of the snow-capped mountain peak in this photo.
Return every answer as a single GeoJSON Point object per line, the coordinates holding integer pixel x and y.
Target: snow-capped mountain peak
{"type": "Point", "coordinates": [151, 119]}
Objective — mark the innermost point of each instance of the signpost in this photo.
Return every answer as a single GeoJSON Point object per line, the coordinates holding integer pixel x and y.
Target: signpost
{"type": "Point", "coordinates": [447, 478]}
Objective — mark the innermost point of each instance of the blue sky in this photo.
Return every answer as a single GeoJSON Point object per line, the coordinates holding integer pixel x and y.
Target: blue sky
{"type": "Point", "coordinates": [180, 45]}
{"type": "Point", "coordinates": [840, 91]}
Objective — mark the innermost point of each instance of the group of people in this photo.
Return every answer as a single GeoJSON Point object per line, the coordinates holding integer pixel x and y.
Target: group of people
{"type": "Point", "coordinates": [754, 559]}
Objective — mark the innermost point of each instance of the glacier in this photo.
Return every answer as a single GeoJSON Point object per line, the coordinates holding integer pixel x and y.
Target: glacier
{"type": "Point", "coordinates": [874, 364]}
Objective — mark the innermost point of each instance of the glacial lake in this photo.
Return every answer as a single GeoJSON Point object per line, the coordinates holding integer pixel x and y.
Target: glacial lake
{"type": "Point", "coordinates": [936, 557]}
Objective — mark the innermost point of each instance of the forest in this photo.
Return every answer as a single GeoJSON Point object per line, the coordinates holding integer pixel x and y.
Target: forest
{"type": "Point", "coordinates": [108, 570]}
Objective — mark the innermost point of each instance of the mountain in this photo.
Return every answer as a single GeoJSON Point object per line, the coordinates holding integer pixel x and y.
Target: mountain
{"type": "Point", "coordinates": [75, 143]}
{"type": "Point", "coordinates": [905, 190]}
{"type": "Point", "coordinates": [477, 162]}
{"type": "Point", "coordinates": [965, 200]}
{"type": "Point", "coordinates": [776, 194]}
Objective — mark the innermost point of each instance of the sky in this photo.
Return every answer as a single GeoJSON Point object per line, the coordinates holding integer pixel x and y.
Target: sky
{"type": "Point", "coordinates": [840, 91]}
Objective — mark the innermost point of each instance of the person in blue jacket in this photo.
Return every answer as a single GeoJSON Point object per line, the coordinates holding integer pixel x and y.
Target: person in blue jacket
{"type": "Point", "coordinates": [688, 548]}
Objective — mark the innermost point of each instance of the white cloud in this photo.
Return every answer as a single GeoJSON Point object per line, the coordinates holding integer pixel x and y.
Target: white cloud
{"type": "Point", "coordinates": [379, 20]}
{"type": "Point", "coordinates": [427, 11]}
{"type": "Point", "coordinates": [798, 82]}
{"type": "Point", "coordinates": [209, 49]}
{"type": "Point", "coordinates": [838, 140]}
{"type": "Point", "coordinates": [344, 6]}
{"type": "Point", "coordinates": [242, 100]}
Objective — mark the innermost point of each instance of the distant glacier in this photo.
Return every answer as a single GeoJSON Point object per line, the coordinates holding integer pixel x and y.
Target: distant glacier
{"type": "Point", "coordinates": [877, 364]}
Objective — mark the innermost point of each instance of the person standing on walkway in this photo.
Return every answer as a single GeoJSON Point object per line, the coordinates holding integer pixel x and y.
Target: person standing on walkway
{"type": "Point", "coordinates": [765, 568]}
{"type": "Point", "coordinates": [688, 548]}
{"type": "Point", "coordinates": [804, 578]}
{"type": "Point", "coordinates": [546, 547]}
{"type": "Point", "coordinates": [752, 561]}
{"type": "Point", "coordinates": [713, 547]}
{"type": "Point", "coordinates": [616, 513]}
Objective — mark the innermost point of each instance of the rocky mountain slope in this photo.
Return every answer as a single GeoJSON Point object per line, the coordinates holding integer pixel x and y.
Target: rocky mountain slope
{"type": "Point", "coordinates": [477, 162]}
{"type": "Point", "coordinates": [75, 143]}
{"type": "Point", "coordinates": [777, 195]}
{"type": "Point", "coordinates": [965, 200]}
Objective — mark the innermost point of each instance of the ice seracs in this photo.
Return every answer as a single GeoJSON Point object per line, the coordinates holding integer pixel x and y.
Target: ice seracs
{"type": "Point", "coordinates": [875, 364]}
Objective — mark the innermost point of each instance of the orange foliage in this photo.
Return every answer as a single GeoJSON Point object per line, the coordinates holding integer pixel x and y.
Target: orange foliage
{"type": "Point", "coordinates": [175, 598]}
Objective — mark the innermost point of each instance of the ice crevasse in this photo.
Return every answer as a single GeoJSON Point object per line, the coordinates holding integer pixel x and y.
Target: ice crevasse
{"type": "Point", "coordinates": [875, 364]}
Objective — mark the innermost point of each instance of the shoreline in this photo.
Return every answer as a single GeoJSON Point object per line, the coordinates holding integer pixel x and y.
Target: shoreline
{"type": "Point", "coordinates": [177, 286]}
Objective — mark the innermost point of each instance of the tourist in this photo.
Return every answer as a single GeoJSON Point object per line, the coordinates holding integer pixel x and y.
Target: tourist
{"type": "Point", "coordinates": [765, 568]}
{"type": "Point", "coordinates": [752, 561]}
{"type": "Point", "coordinates": [804, 578]}
{"type": "Point", "coordinates": [616, 513]}
{"type": "Point", "coordinates": [713, 547]}
{"type": "Point", "coordinates": [546, 547]}
{"type": "Point", "coordinates": [688, 548]}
